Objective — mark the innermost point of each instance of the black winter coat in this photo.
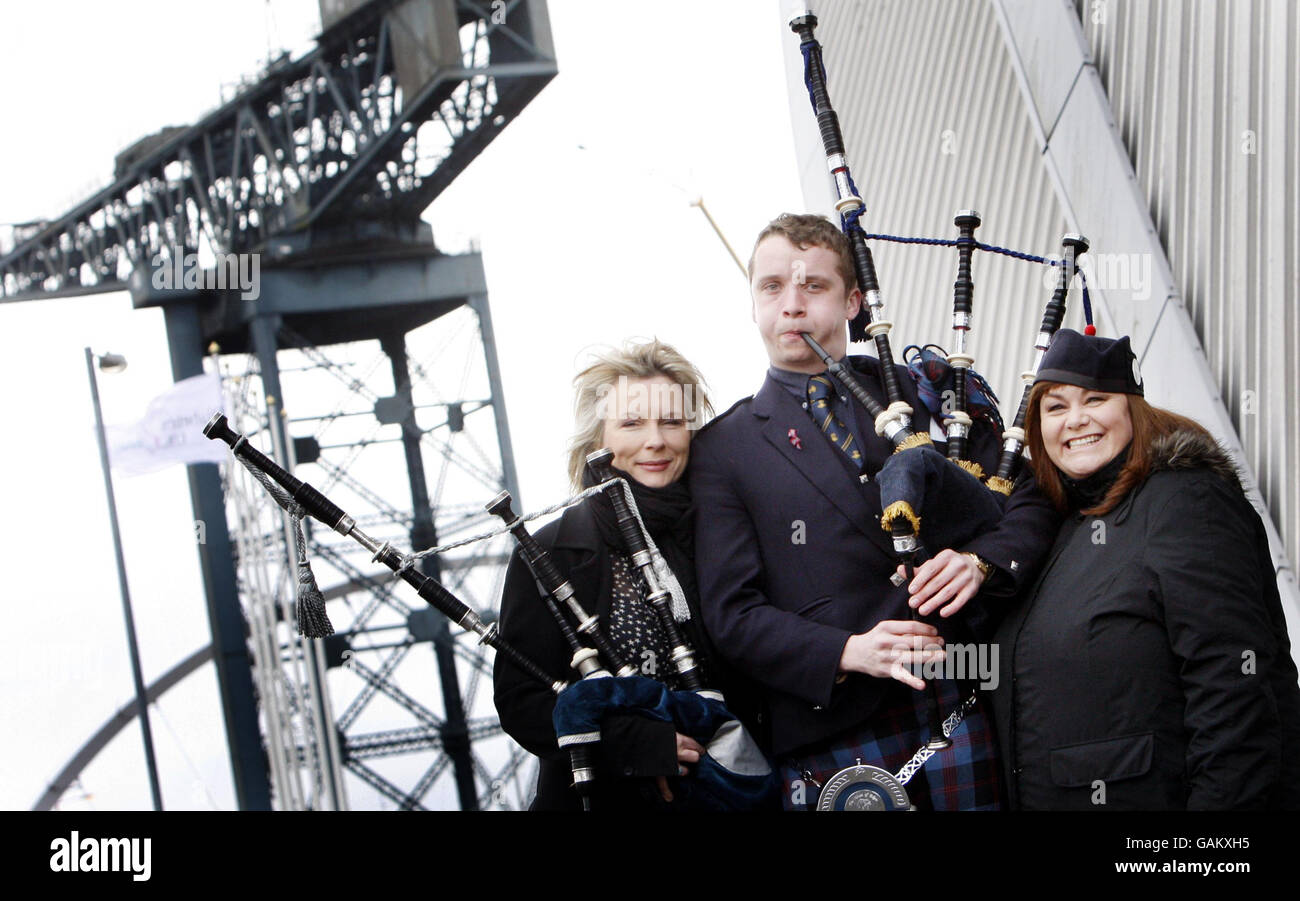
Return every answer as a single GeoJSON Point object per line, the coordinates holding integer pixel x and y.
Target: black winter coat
{"type": "Point", "coordinates": [633, 749]}
{"type": "Point", "coordinates": [1149, 667]}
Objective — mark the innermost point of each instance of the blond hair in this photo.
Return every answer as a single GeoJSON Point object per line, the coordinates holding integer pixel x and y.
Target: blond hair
{"type": "Point", "coordinates": [634, 360]}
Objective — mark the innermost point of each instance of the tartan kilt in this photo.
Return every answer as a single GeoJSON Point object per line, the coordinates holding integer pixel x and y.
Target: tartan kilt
{"type": "Point", "coordinates": [962, 777]}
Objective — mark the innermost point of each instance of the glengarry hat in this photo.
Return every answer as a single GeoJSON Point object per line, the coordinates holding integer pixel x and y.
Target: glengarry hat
{"type": "Point", "coordinates": [1098, 364]}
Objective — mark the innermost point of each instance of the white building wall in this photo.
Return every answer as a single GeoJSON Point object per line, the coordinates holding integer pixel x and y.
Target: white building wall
{"type": "Point", "coordinates": [1206, 97]}
{"type": "Point", "coordinates": [1193, 137]}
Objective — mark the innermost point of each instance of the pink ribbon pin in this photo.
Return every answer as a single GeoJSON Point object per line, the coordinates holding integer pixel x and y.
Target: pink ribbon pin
{"type": "Point", "coordinates": [794, 439]}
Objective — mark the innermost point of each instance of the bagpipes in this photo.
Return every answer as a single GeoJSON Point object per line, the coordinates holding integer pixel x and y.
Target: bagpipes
{"type": "Point", "coordinates": [927, 499]}
{"type": "Point", "coordinates": [733, 774]}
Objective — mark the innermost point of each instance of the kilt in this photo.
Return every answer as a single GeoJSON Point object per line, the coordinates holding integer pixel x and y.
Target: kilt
{"type": "Point", "coordinates": [962, 777]}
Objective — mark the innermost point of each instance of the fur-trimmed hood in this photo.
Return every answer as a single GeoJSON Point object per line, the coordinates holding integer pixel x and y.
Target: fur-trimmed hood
{"type": "Point", "coordinates": [1184, 450]}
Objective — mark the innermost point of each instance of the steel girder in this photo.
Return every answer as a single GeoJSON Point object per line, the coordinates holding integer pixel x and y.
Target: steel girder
{"type": "Point", "coordinates": [341, 146]}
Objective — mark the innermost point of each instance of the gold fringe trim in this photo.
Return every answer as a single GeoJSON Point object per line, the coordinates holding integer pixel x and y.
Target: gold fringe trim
{"type": "Point", "coordinates": [972, 467]}
{"type": "Point", "coordinates": [1000, 485]}
{"type": "Point", "coordinates": [897, 509]}
{"type": "Point", "coordinates": [917, 439]}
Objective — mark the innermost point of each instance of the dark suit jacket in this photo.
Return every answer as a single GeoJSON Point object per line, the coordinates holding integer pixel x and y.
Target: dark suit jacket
{"type": "Point", "coordinates": [791, 558]}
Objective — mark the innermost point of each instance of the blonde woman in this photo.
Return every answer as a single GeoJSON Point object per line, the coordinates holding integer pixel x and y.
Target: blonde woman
{"type": "Point", "coordinates": [644, 401]}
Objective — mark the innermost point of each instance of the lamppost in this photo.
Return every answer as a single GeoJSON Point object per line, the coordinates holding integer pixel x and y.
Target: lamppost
{"type": "Point", "coordinates": [116, 363]}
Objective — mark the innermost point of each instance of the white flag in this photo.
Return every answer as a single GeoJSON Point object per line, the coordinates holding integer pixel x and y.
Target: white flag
{"type": "Point", "coordinates": [171, 430]}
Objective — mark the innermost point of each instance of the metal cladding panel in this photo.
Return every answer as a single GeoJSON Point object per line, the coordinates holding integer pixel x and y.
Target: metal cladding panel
{"type": "Point", "coordinates": [933, 123]}
{"type": "Point", "coordinates": [1206, 97]}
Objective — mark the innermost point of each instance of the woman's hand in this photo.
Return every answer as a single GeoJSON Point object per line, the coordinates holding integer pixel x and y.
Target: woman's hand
{"type": "Point", "coordinates": [688, 751]}
{"type": "Point", "coordinates": [890, 648]}
{"type": "Point", "coordinates": [947, 578]}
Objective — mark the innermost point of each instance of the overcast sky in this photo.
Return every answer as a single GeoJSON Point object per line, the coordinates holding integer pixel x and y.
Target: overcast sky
{"type": "Point", "coordinates": [582, 210]}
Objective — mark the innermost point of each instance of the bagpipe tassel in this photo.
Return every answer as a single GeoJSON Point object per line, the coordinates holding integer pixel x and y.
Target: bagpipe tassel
{"type": "Point", "coordinates": [1000, 485]}
{"type": "Point", "coordinates": [897, 509]}
{"type": "Point", "coordinates": [313, 621]}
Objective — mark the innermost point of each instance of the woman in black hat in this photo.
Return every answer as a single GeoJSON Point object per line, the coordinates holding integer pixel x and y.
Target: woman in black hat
{"type": "Point", "coordinates": [1149, 666]}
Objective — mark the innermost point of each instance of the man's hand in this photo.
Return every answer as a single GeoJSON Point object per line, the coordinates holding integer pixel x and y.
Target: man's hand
{"type": "Point", "coordinates": [688, 751]}
{"type": "Point", "coordinates": [889, 648]}
{"type": "Point", "coordinates": [947, 578]}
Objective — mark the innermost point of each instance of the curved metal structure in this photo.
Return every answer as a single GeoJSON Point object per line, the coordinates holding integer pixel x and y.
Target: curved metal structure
{"type": "Point", "coordinates": [115, 724]}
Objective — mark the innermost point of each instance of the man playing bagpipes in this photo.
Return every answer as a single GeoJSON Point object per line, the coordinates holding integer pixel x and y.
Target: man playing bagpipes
{"type": "Point", "coordinates": [794, 567]}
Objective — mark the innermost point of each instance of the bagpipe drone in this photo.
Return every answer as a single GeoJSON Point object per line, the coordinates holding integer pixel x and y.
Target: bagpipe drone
{"type": "Point", "coordinates": [928, 500]}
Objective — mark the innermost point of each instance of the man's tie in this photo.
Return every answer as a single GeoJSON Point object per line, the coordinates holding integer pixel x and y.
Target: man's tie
{"type": "Point", "coordinates": [820, 396]}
